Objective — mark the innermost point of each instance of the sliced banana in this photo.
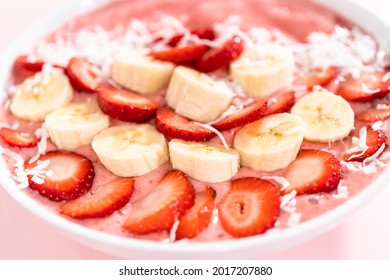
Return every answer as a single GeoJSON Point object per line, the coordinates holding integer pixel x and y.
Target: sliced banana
{"type": "Point", "coordinates": [196, 96]}
{"type": "Point", "coordinates": [75, 125]}
{"type": "Point", "coordinates": [208, 162]}
{"type": "Point", "coordinates": [131, 150]}
{"type": "Point", "coordinates": [41, 94]}
{"type": "Point", "coordinates": [328, 117]}
{"type": "Point", "coordinates": [262, 71]}
{"type": "Point", "coordinates": [270, 143]}
{"type": "Point", "coordinates": [140, 73]}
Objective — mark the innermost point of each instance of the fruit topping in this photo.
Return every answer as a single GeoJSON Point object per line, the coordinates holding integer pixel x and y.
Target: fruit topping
{"type": "Point", "coordinates": [181, 55]}
{"type": "Point", "coordinates": [162, 206]}
{"type": "Point", "coordinates": [68, 175]}
{"type": "Point", "coordinates": [318, 77]}
{"type": "Point", "coordinates": [250, 207]}
{"type": "Point", "coordinates": [373, 114]}
{"type": "Point", "coordinates": [17, 138]}
{"type": "Point", "coordinates": [280, 102]}
{"type": "Point", "coordinates": [82, 75]}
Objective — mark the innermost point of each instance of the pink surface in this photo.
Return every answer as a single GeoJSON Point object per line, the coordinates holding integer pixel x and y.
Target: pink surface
{"type": "Point", "coordinates": [24, 236]}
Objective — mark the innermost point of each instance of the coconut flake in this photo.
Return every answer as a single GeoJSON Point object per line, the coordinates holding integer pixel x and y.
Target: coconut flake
{"type": "Point", "coordinates": [42, 144]}
{"type": "Point", "coordinates": [382, 106]}
{"type": "Point", "coordinates": [377, 126]}
{"type": "Point", "coordinates": [172, 232]}
{"type": "Point", "coordinates": [342, 191]}
{"type": "Point", "coordinates": [219, 134]}
{"type": "Point", "coordinates": [280, 180]}
{"type": "Point", "coordinates": [18, 174]}
{"type": "Point", "coordinates": [375, 156]}
{"type": "Point", "coordinates": [360, 144]}
{"type": "Point", "coordinates": [14, 126]}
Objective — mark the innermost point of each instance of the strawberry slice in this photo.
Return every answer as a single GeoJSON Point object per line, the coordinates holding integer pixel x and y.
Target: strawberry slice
{"type": "Point", "coordinates": [281, 102]}
{"type": "Point", "coordinates": [28, 64]}
{"type": "Point", "coordinates": [374, 141]}
{"type": "Point", "coordinates": [198, 217]}
{"type": "Point", "coordinates": [219, 57]}
{"type": "Point", "coordinates": [202, 33]}
{"type": "Point", "coordinates": [318, 77]}
{"type": "Point", "coordinates": [249, 114]}
{"type": "Point", "coordinates": [160, 208]}
{"type": "Point", "coordinates": [173, 125]}
{"type": "Point", "coordinates": [181, 55]}
{"type": "Point", "coordinates": [125, 105]}
{"type": "Point", "coordinates": [72, 175]}
{"type": "Point", "coordinates": [313, 171]}
{"type": "Point", "coordinates": [250, 207]}
{"type": "Point", "coordinates": [100, 201]}
{"type": "Point", "coordinates": [81, 75]}
{"type": "Point", "coordinates": [373, 115]}
{"type": "Point", "coordinates": [366, 87]}
{"type": "Point", "coordinates": [18, 139]}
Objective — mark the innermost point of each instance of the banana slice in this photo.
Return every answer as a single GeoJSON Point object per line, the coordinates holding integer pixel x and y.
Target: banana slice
{"type": "Point", "coordinates": [270, 143]}
{"type": "Point", "coordinates": [262, 71]}
{"type": "Point", "coordinates": [41, 94]}
{"type": "Point", "coordinates": [138, 72]}
{"type": "Point", "coordinates": [206, 162]}
{"type": "Point", "coordinates": [196, 96]}
{"type": "Point", "coordinates": [75, 125]}
{"type": "Point", "coordinates": [328, 117]}
{"type": "Point", "coordinates": [131, 150]}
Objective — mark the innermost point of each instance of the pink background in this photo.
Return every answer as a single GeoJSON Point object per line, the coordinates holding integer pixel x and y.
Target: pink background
{"type": "Point", "coordinates": [24, 236]}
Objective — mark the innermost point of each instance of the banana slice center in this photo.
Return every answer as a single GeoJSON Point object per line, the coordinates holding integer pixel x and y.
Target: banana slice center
{"type": "Point", "coordinates": [123, 140]}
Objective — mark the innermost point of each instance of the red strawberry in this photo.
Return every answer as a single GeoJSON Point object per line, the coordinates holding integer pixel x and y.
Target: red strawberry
{"type": "Point", "coordinates": [24, 67]}
{"type": "Point", "coordinates": [202, 33]}
{"type": "Point", "coordinates": [250, 207]}
{"type": "Point", "coordinates": [100, 201]}
{"type": "Point", "coordinates": [374, 141]}
{"type": "Point", "coordinates": [125, 105]}
{"type": "Point", "coordinates": [72, 175]}
{"type": "Point", "coordinates": [366, 87]}
{"type": "Point", "coordinates": [17, 138]}
{"type": "Point", "coordinates": [160, 208]}
{"type": "Point", "coordinates": [181, 55]}
{"type": "Point", "coordinates": [173, 125]}
{"type": "Point", "coordinates": [249, 114]}
{"type": "Point", "coordinates": [198, 217]}
{"type": "Point", "coordinates": [318, 77]}
{"type": "Point", "coordinates": [313, 171]}
{"type": "Point", "coordinates": [280, 102]}
{"type": "Point", "coordinates": [81, 75]}
{"type": "Point", "coordinates": [373, 115]}
{"type": "Point", "coordinates": [219, 57]}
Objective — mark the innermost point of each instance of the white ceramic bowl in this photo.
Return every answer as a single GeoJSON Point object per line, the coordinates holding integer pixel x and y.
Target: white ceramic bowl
{"type": "Point", "coordinates": [232, 249]}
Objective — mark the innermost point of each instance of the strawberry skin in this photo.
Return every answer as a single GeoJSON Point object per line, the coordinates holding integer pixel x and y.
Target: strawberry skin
{"type": "Point", "coordinates": [250, 208]}
{"type": "Point", "coordinates": [73, 175]}
{"type": "Point", "coordinates": [173, 125]}
{"type": "Point", "coordinates": [198, 217]}
{"type": "Point", "coordinates": [249, 114]}
{"type": "Point", "coordinates": [181, 55]}
{"type": "Point", "coordinates": [318, 77]}
{"type": "Point", "coordinates": [202, 33]}
{"type": "Point", "coordinates": [101, 201]}
{"type": "Point", "coordinates": [375, 139]}
{"type": "Point", "coordinates": [313, 171]}
{"type": "Point", "coordinates": [24, 68]}
{"type": "Point", "coordinates": [81, 75]}
{"type": "Point", "coordinates": [220, 57]}
{"type": "Point", "coordinates": [281, 102]}
{"type": "Point", "coordinates": [125, 105]}
{"type": "Point", "coordinates": [365, 88]}
{"type": "Point", "coordinates": [162, 206]}
{"type": "Point", "coordinates": [18, 139]}
{"type": "Point", "coordinates": [373, 115]}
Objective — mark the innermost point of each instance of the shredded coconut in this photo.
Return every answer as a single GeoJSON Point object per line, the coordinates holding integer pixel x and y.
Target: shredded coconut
{"type": "Point", "coordinates": [288, 204]}
{"type": "Point", "coordinates": [360, 144]}
{"type": "Point", "coordinates": [377, 125]}
{"type": "Point", "coordinates": [342, 191]}
{"type": "Point", "coordinates": [280, 180]}
{"type": "Point", "coordinates": [219, 134]}
{"type": "Point", "coordinates": [382, 106]}
{"type": "Point", "coordinates": [172, 233]}
{"type": "Point", "coordinates": [18, 174]}
{"type": "Point", "coordinates": [14, 126]}
{"type": "Point", "coordinates": [42, 144]}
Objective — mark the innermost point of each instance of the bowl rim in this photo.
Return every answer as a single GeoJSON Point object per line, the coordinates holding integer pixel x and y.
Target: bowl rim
{"type": "Point", "coordinates": [318, 225]}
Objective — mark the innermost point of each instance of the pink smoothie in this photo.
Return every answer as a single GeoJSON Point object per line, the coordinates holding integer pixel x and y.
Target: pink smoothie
{"type": "Point", "coordinates": [295, 20]}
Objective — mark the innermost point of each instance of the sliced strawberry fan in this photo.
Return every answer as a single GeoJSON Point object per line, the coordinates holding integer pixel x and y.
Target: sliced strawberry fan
{"type": "Point", "coordinates": [250, 207]}
{"type": "Point", "coordinates": [173, 125]}
{"type": "Point", "coordinates": [125, 105]}
{"type": "Point", "coordinates": [375, 140]}
{"type": "Point", "coordinates": [101, 201]}
{"type": "Point", "coordinates": [72, 175]}
{"type": "Point", "coordinates": [313, 171]}
{"type": "Point", "coordinates": [250, 113]}
{"type": "Point", "coordinates": [162, 206]}
{"type": "Point", "coordinates": [17, 138]}
{"type": "Point", "coordinates": [367, 87]}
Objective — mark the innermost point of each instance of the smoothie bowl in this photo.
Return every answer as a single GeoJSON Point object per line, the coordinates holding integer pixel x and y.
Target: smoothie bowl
{"type": "Point", "coordinates": [159, 129]}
